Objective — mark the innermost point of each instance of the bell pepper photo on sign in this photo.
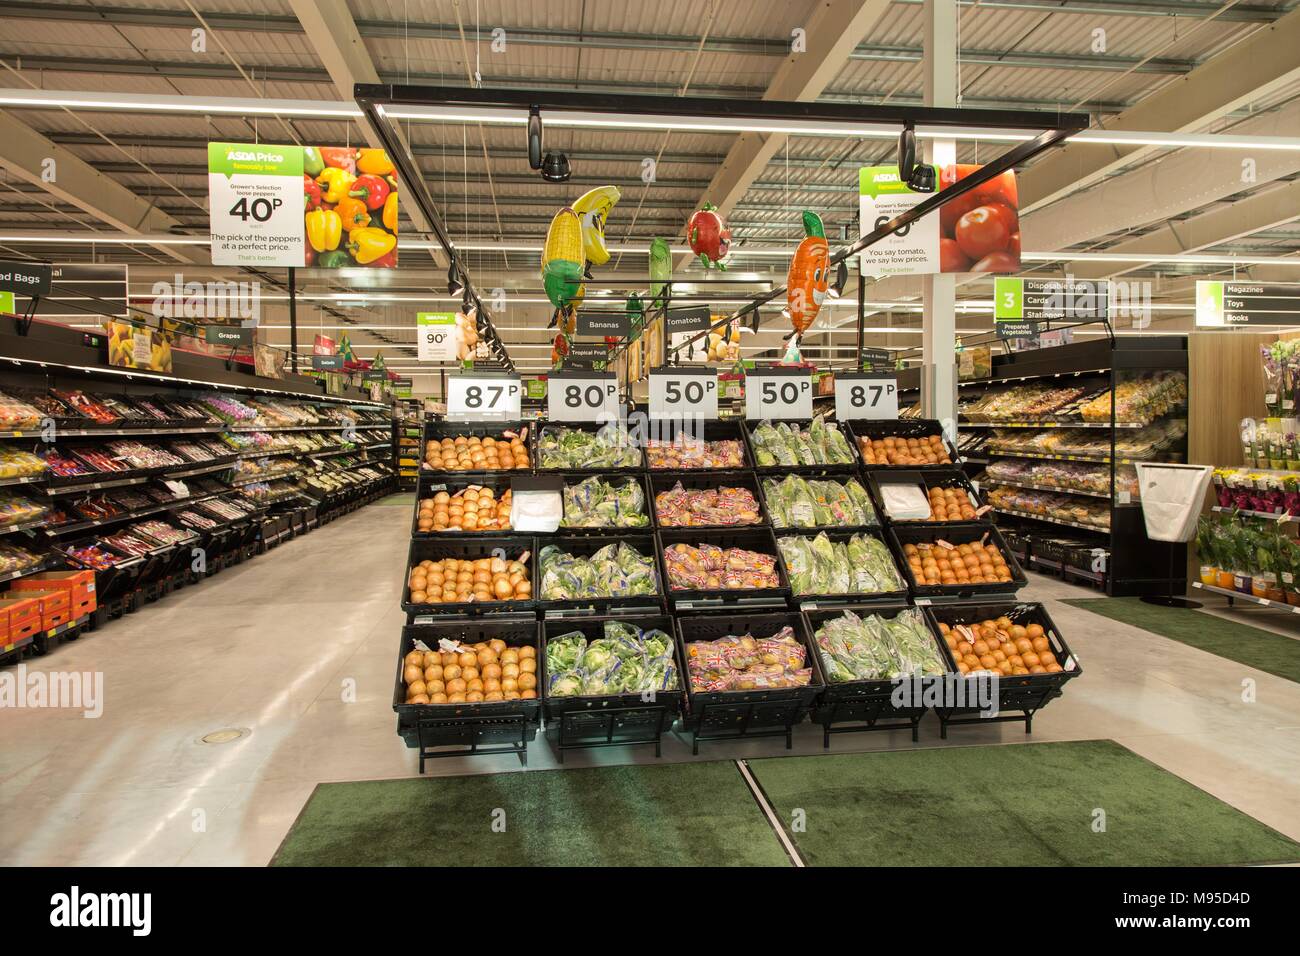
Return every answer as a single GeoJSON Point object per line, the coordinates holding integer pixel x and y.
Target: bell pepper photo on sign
{"type": "Point", "coordinates": [351, 208]}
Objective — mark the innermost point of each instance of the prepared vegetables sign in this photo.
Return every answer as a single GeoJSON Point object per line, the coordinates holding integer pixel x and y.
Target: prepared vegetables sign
{"type": "Point", "coordinates": [978, 231]}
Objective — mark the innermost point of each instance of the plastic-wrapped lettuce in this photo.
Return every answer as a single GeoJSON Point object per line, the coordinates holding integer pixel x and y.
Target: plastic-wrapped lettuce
{"type": "Point", "coordinates": [609, 447]}
{"type": "Point", "coordinates": [597, 503]}
{"type": "Point", "coordinates": [627, 660]}
{"type": "Point", "coordinates": [798, 502]}
{"type": "Point", "coordinates": [861, 565]}
{"type": "Point", "coordinates": [821, 443]}
{"type": "Point", "coordinates": [878, 648]}
{"type": "Point", "coordinates": [613, 571]}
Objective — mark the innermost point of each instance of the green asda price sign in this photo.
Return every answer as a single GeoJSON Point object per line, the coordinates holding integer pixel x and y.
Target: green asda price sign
{"type": "Point", "coordinates": [7, 303]}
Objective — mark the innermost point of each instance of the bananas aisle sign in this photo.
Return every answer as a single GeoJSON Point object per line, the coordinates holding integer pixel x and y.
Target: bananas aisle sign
{"type": "Point", "coordinates": [131, 346]}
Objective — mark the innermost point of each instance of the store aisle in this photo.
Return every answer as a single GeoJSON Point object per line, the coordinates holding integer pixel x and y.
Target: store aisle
{"type": "Point", "coordinates": [297, 647]}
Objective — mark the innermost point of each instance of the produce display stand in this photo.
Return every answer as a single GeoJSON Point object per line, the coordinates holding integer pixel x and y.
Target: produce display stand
{"type": "Point", "coordinates": [815, 473]}
{"type": "Point", "coordinates": [862, 705]}
{"type": "Point", "coordinates": [899, 428]}
{"type": "Point", "coordinates": [691, 431]}
{"type": "Point", "coordinates": [507, 547]}
{"type": "Point", "coordinates": [613, 431]}
{"type": "Point", "coordinates": [457, 730]}
{"type": "Point", "coordinates": [933, 477]}
{"type": "Point", "coordinates": [848, 598]}
{"type": "Point", "coordinates": [568, 479]}
{"type": "Point", "coordinates": [760, 540]}
{"type": "Point", "coordinates": [46, 640]}
{"type": "Point", "coordinates": [661, 481]}
{"type": "Point", "coordinates": [438, 429]}
{"type": "Point", "coordinates": [612, 720]}
{"type": "Point", "coordinates": [745, 714]}
{"type": "Point", "coordinates": [817, 470]}
{"type": "Point", "coordinates": [903, 533]}
{"type": "Point", "coordinates": [584, 546]}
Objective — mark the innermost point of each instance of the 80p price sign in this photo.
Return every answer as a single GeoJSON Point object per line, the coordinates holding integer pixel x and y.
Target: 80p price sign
{"type": "Point", "coordinates": [483, 396]}
{"type": "Point", "coordinates": [582, 396]}
{"type": "Point", "coordinates": [686, 392]}
{"type": "Point", "coordinates": [865, 395]}
{"type": "Point", "coordinates": [778, 393]}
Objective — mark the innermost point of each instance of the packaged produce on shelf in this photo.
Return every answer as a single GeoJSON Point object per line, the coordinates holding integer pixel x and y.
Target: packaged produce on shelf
{"type": "Point", "coordinates": [1142, 443]}
{"type": "Point", "coordinates": [161, 532]}
{"type": "Point", "coordinates": [684, 453]}
{"type": "Point", "coordinates": [861, 565]}
{"type": "Point", "coordinates": [473, 508]}
{"type": "Point", "coordinates": [576, 450]}
{"type": "Point", "coordinates": [15, 509]}
{"type": "Point", "coordinates": [14, 558]}
{"type": "Point", "coordinates": [616, 570]}
{"type": "Point", "coordinates": [63, 466]}
{"type": "Point", "coordinates": [460, 580]}
{"type": "Point", "coordinates": [746, 662]}
{"type": "Point", "coordinates": [948, 504]}
{"type": "Point", "coordinates": [227, 409]}
{"type": "Point", "coordinates": [17, 415]}
{"type": "Point", "coordinates": [821, 443]}
{"type": "Point", "coordinates": [997, 646]}
{"type": "Point", "coordinates": [711, 568]}
{"type": "Point", "coordinates": [627, 660]}
{"type": "Point", "coordinates": [1095, 514]}
{"type": "Point", "coordinates": [1032, 402]}
{"type": "Point", "coordinates": [192, 519]}
{"type": "Point", "coordinates": [1140, 400]}
{"type": "Point", "coordinates": [472, 453]}
{"type": "Point", "coordinates": [597, 503]}
{"type": "Point", "coordinates": [798, 502]}
{"type": "Point", "coordinates": [1065, 475]}
{"type": "Point", "coordinates": [875, 647]}
{"type": "Point", "coordinates": [680, 507]}
{"type": "Point", "coordinates": [900, 450]}
{"type": "Point", "coordinates": [139, 455]}
{"type": "Point", "coordinates": [86, 405]}
{"type": "Point", "coordinates": [16, 463]}
{"type": "Point", "coordinates": [948, 564]}
{"type": "Point", "coordinates": [459, 673]}
{"type": "Point", "coordinates": [1249, 557]}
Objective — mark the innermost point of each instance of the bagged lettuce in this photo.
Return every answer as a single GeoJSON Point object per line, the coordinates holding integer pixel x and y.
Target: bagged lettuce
{"type": "Point", "coordinates": [626, 660]}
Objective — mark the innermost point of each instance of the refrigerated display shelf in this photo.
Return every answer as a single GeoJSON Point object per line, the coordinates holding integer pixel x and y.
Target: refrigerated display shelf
{"type": "Point", "coordinates": [1061, 521]}
{"type": "Point", "coordinates": [1262, 515]}
{"type": "Point", "coordinates": [1055, 488]}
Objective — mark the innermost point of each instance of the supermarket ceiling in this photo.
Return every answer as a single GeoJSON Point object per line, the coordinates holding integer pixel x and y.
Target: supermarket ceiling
{"type": "Point", "coordinates": [1160, 66]}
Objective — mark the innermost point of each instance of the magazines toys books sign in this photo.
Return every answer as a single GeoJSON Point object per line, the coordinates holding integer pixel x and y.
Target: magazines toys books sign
{"type": "Point", "coordinates": [978, 231]}
{"type": "Point", "coordinates": [1223, 304]}
{"type": "Point", "coordinates": [324, 207]}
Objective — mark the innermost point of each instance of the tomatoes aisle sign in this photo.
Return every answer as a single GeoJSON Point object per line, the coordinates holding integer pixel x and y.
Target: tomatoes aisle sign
{"type": "Point", "coordinates": [979, 231]}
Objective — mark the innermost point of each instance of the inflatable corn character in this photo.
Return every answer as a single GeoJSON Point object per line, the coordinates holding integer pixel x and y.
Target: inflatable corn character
{"type": "Point", "coordinates": [562, 258]}
{"type": "Point", "coordinates": [809, 274]}
{"type": "Point", "coordinates": [593, 209]}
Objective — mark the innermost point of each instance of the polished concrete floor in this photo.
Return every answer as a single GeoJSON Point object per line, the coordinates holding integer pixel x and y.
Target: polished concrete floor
{"type": "Point", "coordinates": [297, 647]}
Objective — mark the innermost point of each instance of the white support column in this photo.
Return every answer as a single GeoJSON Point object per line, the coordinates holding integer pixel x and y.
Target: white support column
{"type": "Point", "coordinates": [939, 321]}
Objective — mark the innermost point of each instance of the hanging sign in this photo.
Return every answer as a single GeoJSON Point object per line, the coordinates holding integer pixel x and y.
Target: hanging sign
{"type": "Point", "coordinates": [327, 363]}
{"type": "Point", "coordinates": [484, 396]}
{"type": "Point", "coordinates": [683, 392]}
{"type": "Point", "coordinates": [1074, 300]}
{"type": "Point", "coordinates": [231, 335]}
{"type": "Point", "coordinates": [536, 388]}
{"type": "Point", "coordinates": [778, 393]}
{"type": "Point", "coordinates": [603, 324]}
{"type": "Point", "coordinates": [1012, 329]}
{"type": "Point", "coordinates": [1222, 304]}
{"type": "Point", "coordinates": [877, 360]}
{"type": "Point", "coordinates": [693, 320]}
{"type": "Point", "coordinates": [577, 396]}
{"type": "Point", "coordinates": [868, 395]}
{"type": "Point", "coordinates": [255, 204]}
{"type": "Point", "coordinates": [437, 336]}
{"type": "Point", "coordinates": [29, 278]}
{"type": "Point", "coordinates": [587, 357]}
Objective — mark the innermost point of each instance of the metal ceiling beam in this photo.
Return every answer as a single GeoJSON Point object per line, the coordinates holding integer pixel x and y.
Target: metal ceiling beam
{"type": "Point", "coordinates": [1190, 9]}
{"type": "Point", "coordinates": [25, 153]}
{"type": "Point", "coordinates": [1258, 66]}
{"type": "Point", "coordinates": [833, 31]}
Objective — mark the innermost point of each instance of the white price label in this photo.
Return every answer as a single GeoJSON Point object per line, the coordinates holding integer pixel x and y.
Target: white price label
{"type": "Point", "coordinates": [483, 397]}
{"type": "Point", "coordinates": [683, 393]}
{"type": "Point", "coordinates": [778, 393]}
{"type": "Point", "coordinates": [582, 397]}
{"type": "Point", "coordinates": [256, 204]}
{"type": "Point", "coordinates": [437, 336]}
{"type": "Point", "coordinates": [865, 395]}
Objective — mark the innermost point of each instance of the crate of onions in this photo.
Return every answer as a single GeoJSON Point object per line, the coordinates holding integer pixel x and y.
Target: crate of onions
{"type": "Point", "coordinates": [484, 574]}
{"type": "Point", "coordinates": [452, 507]}
{"type": "Point", "coordinates": [475, 448]}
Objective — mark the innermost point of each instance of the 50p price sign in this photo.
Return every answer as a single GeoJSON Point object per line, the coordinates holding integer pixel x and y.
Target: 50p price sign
{"type": "Point", "coordinates": [684, 393]}
{"type": "Point", "coordinates": [483, 396]}
{"type": "Point", "coordinates": [582, 396]}
{"type": "Point", "coordinates": [778, 393]}
{"type": "Point", "coordinates": [865, 395]}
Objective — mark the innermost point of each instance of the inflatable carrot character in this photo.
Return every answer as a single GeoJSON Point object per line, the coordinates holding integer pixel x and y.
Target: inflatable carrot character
{"type": "Point", "coordinates": [809, 274]}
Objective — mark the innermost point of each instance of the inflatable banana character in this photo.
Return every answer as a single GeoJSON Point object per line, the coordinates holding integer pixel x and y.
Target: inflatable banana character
{"type": "Point", "coordinates": [562, 259]}
{"type": "Point", "coordinates": [593, 209]}
{"type": "Point", "coordinates": [809, 274]}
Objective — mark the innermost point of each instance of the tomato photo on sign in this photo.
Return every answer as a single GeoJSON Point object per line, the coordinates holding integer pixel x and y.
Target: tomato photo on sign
{"type": "Point", "coordinates": [983, 230]}
{"type": "Point", "coordinates": [997, 262]}
{"type": "Point", "coordinates": [951, 258]}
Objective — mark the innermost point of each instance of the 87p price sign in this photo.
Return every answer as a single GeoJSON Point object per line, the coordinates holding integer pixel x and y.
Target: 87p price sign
{"type": "Point", "coordinates": [582, 397]}
{"type": "Point", "coordinates": [778, 393]}
{"type": "Point", "coordinates": [686, 392]}
{"type": "Point", "coordinates": [483, 397]}
{"type": "Point", "coordinates": [865, 395]}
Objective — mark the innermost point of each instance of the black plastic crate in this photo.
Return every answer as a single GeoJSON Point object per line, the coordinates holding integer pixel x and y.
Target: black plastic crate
{"type": "Point", "coordinates": [661, 481]}
{"type": "Point", "coordinates": [618, 481]}
{"type": "Point", "coordinates": [1026, 693]}
{"type": "Point", "coordinates": [900, 428]}
{"type": "Point", "coordinates": [900, 535]}
{"type": "Point", "coordinates": [437, 430]}
{"type": "Point", "coordinates": [816, 474]}
{"type": "Point", "coordinates": [865, 705]}
{"type": "Point", "coordinates": [925, 479]}
{"type": "Point", "coordinates": [486, 727]}
{"type": "Point", "coordinates": [584, 546]}
{"type": "Point", "coordinates": [433, 482]}
{"type": "Point", "coordinates": [612, 720]}
{"type": "Point", "coordinates": [850, 597]}
{"type": "Point", "coordinates": [111, 582]}
{"type": "Point", "coordinates": [735, 714]}
{"type": "Point", "coordinates": [507, 547]}
{"type": "Point", "coordinates": [848, 467]}
{"type": "Point", "coordinates": [710, 430]}
{"type": "Point", "coordinates": [616, 431]}
{"type": "Point", "coordinates": [760, 540]}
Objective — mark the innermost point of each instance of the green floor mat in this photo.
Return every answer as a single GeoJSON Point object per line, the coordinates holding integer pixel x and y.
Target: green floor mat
{"type": "Point", "coordinates": [1013, 805]}
{"type": "Point", "coordinates": [1272, 653]}
{"type": "Point", "coordinates": [402, 499]}
{"type": "Point", "coordinates": [697, 814]}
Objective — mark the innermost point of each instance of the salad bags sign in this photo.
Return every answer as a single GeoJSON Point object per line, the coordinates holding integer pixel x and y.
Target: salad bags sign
{"type": "Point", "coordinates": [303, 206]}
{"type": "Point", "coordinates": [979, 231]}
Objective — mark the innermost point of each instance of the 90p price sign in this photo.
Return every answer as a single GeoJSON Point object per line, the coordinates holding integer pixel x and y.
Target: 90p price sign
{"type": "Point", "coordinates": [578, 396]}
{"type": "Point", "coordinates": [778, 393]}
{"type": "Point", "coordinates": [483, 396]}
{"type": "Point", "coordinates": [684, 393]}
{"type": "Point", "coordinates": [865, 395]}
